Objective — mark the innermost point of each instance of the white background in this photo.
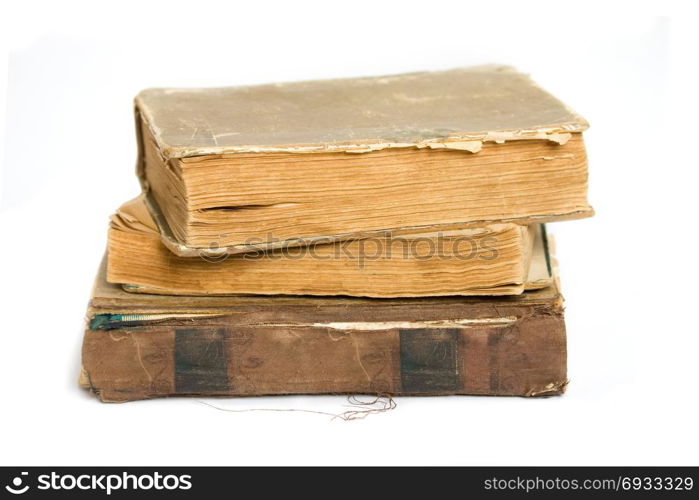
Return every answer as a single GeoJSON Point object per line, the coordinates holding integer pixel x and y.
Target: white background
{"type": "Point", "coordinates": [629, 274]}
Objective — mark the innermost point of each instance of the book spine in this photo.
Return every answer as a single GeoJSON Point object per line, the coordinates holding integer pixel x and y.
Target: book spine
{"type": "Point", "coordinates": [523, 357]}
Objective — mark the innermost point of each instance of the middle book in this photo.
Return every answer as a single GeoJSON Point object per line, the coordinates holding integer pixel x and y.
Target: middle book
{"type": "Point", "coordinates": [495, 259]}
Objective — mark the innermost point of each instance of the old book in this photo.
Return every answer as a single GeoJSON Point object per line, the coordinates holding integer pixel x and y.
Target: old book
{"type": "Point", "coordinates": [498, 259]}
{"type": "Point", "coordinates": [331, 160]}
{"type": "Point", "coordinates": [140, 346]}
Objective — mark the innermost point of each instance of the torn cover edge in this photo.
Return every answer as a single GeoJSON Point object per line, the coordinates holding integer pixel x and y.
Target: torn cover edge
{"type": "Point", "coordinates": [470, 141]}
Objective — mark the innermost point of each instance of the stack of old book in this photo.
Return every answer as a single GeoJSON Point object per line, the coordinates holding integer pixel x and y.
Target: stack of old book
{"type": "Point", "coordinates": [372, 236]}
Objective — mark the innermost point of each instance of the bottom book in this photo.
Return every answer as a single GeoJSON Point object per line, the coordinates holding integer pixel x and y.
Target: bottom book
{"type": "Point", "coordinates": [140, 346]}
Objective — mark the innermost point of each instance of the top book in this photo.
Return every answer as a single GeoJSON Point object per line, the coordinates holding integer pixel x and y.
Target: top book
{"type": "Point", "coordinates": [227, 169]}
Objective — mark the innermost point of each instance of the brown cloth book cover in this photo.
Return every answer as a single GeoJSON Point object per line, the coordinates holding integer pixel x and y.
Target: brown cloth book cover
{"type": "Point", "coordinates": [337, 159]}
{"type": "Point", "coordinates": [139, 346]}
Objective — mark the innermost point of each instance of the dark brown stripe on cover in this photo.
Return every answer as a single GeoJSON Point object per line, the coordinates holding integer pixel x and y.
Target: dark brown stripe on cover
{"type": "Point", "coordinates": [200, 362]}
{"type": "Point", "coordinates": [429, 360]}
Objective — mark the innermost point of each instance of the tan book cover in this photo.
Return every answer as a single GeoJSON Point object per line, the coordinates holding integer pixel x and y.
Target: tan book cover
{"type": "Point", "coordinates": [337, 159]}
